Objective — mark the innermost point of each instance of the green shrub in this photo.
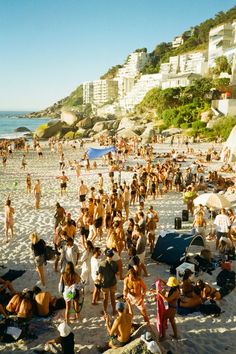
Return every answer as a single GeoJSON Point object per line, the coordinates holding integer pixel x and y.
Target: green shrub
{"type": "Point", "coordinates": [198, 125]}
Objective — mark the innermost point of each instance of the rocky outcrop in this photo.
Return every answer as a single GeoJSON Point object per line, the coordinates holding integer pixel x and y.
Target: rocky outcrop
{"type": "Point", "coordinates": [85, 123]}
{"type": "Point", "coordinates": [22, 129]}
{"type": "Point", "coordinates": [69, 117]}
{"type": "Point", "coordinates": [126, 123]}
{"type": "Point", "coordinates": [127, 133]}
{"type": "Point", "coordinates": [48, 130]}
{"type": "Point", "coordinates": [148, 133]}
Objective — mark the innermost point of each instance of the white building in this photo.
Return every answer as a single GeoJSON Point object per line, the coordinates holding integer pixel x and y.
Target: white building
{"type": "Point", "coordinates": [177, 41]}
{"type": "Point", "coordinates": [179, 80]}
{"type": "Point", "coordinates": [141, 87]}
{"type": "Point", "coordinates": [186, 63]}
{"type": "Point", "coordinates": [125, 85]}
{"type": "Point", "coordinates": [134, 64]}
{"type": "Point", "coordinates": [221, 38]}
{"type": "Point", "coordinates": [88, 92]}
{"type": "Point", "coordinates": [104, 91]}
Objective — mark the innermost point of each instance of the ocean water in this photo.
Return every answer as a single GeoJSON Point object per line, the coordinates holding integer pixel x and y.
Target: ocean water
{"type": "Point", "coordinates": [9, 121]}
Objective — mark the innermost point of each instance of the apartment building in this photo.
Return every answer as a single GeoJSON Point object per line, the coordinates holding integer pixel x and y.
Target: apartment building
{"type": "Point", "coordinates": [104, 91]}
{"type": "Point", "coordinates": [221, 38]}
{"type": "Point", "coordinates": [139, 90]}
{"type": "Point", "coordinates": [88, 92]}
{"type": "Point", "coordinates": [134, 64]}
{"type": "Point", "coordinates": [179, 80]}
{"type": "Point", "coordinates": [186, 63]}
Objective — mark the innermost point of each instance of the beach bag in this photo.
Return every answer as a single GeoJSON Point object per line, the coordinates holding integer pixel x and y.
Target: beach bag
{"type": "Point", "coordinates": [49, 253]}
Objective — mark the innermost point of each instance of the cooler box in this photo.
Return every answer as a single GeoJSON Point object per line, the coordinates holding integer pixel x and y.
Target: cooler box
{"type": "Point", "coordinates": [180, 269]}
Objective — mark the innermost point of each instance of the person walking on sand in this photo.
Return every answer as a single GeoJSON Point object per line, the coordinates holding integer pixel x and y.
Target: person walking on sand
{"type": "Point", "coordinates": [107, 274]}
{"type": "Point", "coordinates": [64, 179]}
{"type": "Point", "coordinates": [38, 248]}
{"type": "Point", "coordinates": [28, 184]}
{"type": "Point", "coordinates": [9, 211]}
{"type": "Point", "coordinates": [37, 193]}
{"type": "Point", "coordinates": [83, 190]}
{"type": "Point", "coordinates": [135, 291]}
{"type": "Point", "coordinates": [69, 280]}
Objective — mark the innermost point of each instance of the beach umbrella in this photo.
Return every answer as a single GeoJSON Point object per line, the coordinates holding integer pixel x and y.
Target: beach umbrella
{"type": "Point", "coordinates": [212, 200]}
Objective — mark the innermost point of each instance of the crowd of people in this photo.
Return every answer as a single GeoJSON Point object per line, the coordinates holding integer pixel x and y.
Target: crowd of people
{"type": "Point", "coordinates": [105, 217]}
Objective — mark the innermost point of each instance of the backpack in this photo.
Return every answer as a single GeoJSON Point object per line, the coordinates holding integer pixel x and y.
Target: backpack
{"type": "Point", "coordinates": [226, 280]}
{"type": "Point", "coordinates": [49, 253]}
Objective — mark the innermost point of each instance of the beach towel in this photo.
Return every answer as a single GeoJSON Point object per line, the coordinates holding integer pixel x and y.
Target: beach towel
{"type": "Point", "coordinates": [13, 274]}
{"type": "Point", "coordinates": [160, 309]}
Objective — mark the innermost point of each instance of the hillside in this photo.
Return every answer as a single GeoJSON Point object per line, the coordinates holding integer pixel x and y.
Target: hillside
{"type": "Point", "coordinates": [196, 39]}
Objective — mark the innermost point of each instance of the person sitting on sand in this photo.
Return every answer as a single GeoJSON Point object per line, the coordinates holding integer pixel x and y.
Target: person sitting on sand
{"type": "Point", "coordinates": [21, 304]}
{"type": "Point", "coordinates": [187, 284]}
{"type": "Point", "coordinates": [120, 331]}
{"type": "Point", "coordinates": [44, 301]}
{"type": "Point", "coordinates": [207, 292]}
{"type": "Point", "coordinates": [172, 298]}
{"type": "Point", "coordinates": [66, 340]}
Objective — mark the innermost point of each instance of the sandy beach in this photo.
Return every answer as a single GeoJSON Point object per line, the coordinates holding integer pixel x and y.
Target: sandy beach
{"type": "Point", "coordinates": [198, 334]}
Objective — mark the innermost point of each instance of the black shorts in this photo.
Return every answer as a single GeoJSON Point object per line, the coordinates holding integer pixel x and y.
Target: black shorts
{"type": "Point", "coordinates": [63, 185]}
{"type": "Point", "coordinates": [82, 198]}
{"type": "Point", "coordinates": [40, 154]}
{"type": "Point", "coordinates": [84, 232]}
{"type": "Point", "coordinates": [111, 174]}
{"type": "Point", "coordinates": [98, 223]}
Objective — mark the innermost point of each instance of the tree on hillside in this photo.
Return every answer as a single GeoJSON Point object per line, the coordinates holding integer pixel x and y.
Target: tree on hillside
{"type": "Point", "coordinates": [221, 66]}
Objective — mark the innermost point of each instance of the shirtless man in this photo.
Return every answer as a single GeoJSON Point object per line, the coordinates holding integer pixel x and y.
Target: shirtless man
{"type": "Point", "coordinates": [9, 211]}
{"type": "Point", "coordinates": [83, 190]}
{"type": "Point", "coordinates": [120, 330]}
{"type": "Point", "coordinates": [37, 193]}
{"type": "Point", "coordinates": [98, 217]}
{"type": "Point", "coordinates": [100, 182]}
{"type": "Point", "coordinates": [64, 179]}
{"type": "Point", "coordinates": [135, 291]}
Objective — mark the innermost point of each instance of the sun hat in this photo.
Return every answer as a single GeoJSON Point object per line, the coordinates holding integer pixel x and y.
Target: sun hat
{"type": "Point", "coordinates": [64, 329]}
{"type": "Point", "coordinates": [120, 306]}
{"type": "Point", "coordinates": [172, 281]}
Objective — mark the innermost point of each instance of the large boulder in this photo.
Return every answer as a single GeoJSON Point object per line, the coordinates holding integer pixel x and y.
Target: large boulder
{"type": "Point", "coordinates": [69, 118]}
{"type": "Point", "coordinates": [85, 123]}
{"type": "Point", "coordinates": [46, 131]}
{"type": "Point", "coordinates": [112, 124]}
{"type": "Point", "coordinates": [97, 135]}
{"type": "Point", "coordinates": [22, 129]}
{"type": "Point", "coordinates": [126, 123]}
{"type": "Point", "coordinates": [127, 133]}
{"type": "Point", "coordinates": [148, 133]}
{"type": "Point", "coordinates": [81, 133]}
{"type": "Point", "coordinates": [99, 126]}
